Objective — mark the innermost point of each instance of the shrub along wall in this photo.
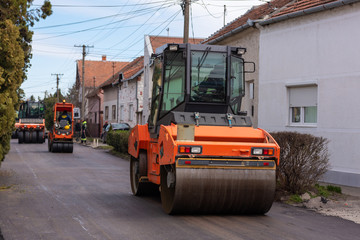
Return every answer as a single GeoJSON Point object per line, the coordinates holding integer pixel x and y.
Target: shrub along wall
{"type": "Point", "coordinates": [304, 159]}
{"type": "Point", "coordinates": [119, 140]}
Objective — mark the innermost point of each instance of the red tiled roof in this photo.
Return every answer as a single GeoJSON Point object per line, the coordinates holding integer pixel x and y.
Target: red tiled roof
{"type": "Point", "coordinates": [256, 12]}
{"type": "Point", "coordinates": [158, 41]}
{"type": "Point", "coordinates": [128, 71]}
{"type": "Point", "coordinates": [272, 9]}
{"type": "Point", "coordinates": [101, 70]}
{"type": "Point", "coordinates": [300, 5]}
{"type": "Point", "coordinates": [132, 68]}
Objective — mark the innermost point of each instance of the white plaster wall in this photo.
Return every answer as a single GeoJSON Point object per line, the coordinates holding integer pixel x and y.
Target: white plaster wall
{"type": "Point", "coordinates": [322, 48]}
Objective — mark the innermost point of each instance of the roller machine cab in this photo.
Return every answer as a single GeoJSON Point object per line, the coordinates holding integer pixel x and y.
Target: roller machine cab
{"type": "Point", "coordinates": [30, 126]}
{"type": "Point", "coordinates": [60, 137]}
{"type": "Point", "coordinates": [198, 148]}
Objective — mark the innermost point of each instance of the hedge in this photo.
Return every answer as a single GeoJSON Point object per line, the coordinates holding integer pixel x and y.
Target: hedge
{"type": "Point", "coordinates": [304, 159]}
{"type": "Point", "coordinates": [118, 139]}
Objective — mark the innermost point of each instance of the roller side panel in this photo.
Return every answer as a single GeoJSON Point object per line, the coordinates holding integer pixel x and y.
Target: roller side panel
{"type": "Point", "coordinates": [138, 139]}
{"type": "Point", "coordinates": [167, 146]}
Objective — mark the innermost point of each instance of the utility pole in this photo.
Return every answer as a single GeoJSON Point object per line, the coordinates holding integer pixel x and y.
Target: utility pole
{"type": "Point", "coordinates": [83, 80]}
{"type": "Point", "coordinates": [224, 14]}
{"type": "Point", "coordinates": [186, 5]}
{"type": "Point", "coordinates": [57, 85]}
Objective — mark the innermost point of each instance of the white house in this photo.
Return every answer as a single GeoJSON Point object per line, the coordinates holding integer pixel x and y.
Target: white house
{"type": "Point", "coordinates": [309, 79]}
{"type": "Point", "coordinates": [131, 80]}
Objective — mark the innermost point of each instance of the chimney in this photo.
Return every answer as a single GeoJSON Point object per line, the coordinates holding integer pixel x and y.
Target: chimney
{"type": "Point", "coordinates": [104, 58]}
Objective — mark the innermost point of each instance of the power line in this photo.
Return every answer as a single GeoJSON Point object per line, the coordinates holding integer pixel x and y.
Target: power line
{"type": "Point", "coordinates": [96, 19]}
{"type": "Point", "coordinates": [173, 17]}
{"type": "Point", "coordinates": [87, 29]}
{"type": "Point", "coordinates": [137, 28]}
{"type": "Point", "coordinates": [101, 6]}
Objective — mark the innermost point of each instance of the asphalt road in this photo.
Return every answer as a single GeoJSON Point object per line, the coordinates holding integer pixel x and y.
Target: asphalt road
{"type": "Point", "coordinates": [86, 195]}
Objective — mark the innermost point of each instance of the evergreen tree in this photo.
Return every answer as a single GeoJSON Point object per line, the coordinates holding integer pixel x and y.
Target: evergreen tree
{"type": "Point", "coordinates": [16, 16]}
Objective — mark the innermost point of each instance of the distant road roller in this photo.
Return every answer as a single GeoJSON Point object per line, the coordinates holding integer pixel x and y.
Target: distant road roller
{"type": "Point", "coordinates": [60, 137]}
{"type": "Point", "coordinates": [198, 147]}
{"type": "Point", "coordinates": [30, 125]}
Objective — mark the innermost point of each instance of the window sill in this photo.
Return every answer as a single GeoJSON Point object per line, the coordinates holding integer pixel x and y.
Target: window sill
{"type": "Point", "coordinates": [302, 125]}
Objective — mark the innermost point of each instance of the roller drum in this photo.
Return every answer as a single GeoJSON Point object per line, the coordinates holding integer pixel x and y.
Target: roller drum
{"type": "Point", "coordinates": [219, 190]}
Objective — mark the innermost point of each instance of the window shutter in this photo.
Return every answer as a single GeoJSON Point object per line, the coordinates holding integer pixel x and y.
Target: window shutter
{"type": "Point", "coordinates": [303, 96]}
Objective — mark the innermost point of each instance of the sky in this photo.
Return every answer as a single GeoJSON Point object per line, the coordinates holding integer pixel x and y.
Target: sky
{"type": "Point", "coordinates": [114, 28]}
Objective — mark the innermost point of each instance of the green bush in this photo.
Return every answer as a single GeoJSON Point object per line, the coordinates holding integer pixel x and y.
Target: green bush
{"type": "Point", "coordinates": [332, 188]}
{"type": "Point", "coordinates": [322, 190]}
{"type": "Point", "coordinates": [304, 159]}
{"type": "Point", "coordinates": [118, 139]}
{"type": "Point", "coordinates": [295, 198]}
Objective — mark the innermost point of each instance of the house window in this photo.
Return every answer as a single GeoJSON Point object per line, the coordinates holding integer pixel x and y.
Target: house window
{"type": "Point", "coordinates": [113, 112]}
{"type": "Point", "coordinates": [106, 112]}
{"type": "Point", "coordinates": [251, 90]}
{"type": "Point", "coordinates": [303, 105]}
{"type": "Point", "coordinates": [131, 106]}
{"type": "Point", "coordinates": [122, 113]}
{"type": "Point", "coordinates": [125, 85]}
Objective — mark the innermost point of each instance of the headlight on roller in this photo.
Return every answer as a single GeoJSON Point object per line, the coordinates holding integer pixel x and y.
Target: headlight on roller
{"type": "Point", "coordinates": [190, 149]}
{"type": "Point", "coordinates": [262, 151]}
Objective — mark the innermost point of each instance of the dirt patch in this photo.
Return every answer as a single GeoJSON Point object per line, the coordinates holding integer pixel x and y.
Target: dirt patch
{"type": "Point", "coordinates": [9, 181]}
{"type": "Point", "coordinates": [6, 179]}
{"type": "Point", "coordinates": [347, 207]}
{"type": "Point", "coordinates": [338, 205]}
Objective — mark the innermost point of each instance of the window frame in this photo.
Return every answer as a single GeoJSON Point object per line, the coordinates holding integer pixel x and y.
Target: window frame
{"type": "Point", "coordinates": [106, 113]}
{"type": "Point", "coordinates": [113, 110]}
{"type": "Point", "coordinates": [131, 109]}
{"type": "Point", "coordinates": [302, 122]}
{"type": "Point", "coordinates": [122, 113]}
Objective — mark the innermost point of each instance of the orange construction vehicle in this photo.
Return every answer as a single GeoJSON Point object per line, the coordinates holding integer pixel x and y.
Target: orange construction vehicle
{"type": "Point", "coordinates": [60, 137]}
{"type": "Point", "coordinates": [30, 127]}
{"type": "Point", "coordinates": [197, 146]}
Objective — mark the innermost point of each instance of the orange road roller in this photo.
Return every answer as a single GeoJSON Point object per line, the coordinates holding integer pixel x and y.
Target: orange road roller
{"type": "Point", "coordinates": [198, 148]}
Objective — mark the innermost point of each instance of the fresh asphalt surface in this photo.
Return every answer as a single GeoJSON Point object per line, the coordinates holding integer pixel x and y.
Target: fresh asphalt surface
{"type": "Point", "coordinates": [86, 195]}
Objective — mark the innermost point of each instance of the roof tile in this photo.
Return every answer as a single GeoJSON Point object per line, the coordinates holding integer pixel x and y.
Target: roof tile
{"type": "Point", "coordinates": [301, 5]}
{"type": "Point", "coordinates": [101, 70]}
{"type": "Point", "coordinates": [268, 10]}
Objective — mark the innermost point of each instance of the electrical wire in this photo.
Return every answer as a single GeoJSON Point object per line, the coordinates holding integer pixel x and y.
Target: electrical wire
{"type": "Point", "coordinates": [208, 10]}
{"type": "Point", "coordinates": [95, 19]}
{"type": "Point", "coordinates": [142, 50]}
{"type": "Point", "coordinates": [100, 6]}
{"type": "Point", "coordinates": [161, 7]}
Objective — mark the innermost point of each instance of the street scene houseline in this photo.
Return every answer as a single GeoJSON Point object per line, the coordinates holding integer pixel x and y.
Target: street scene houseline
{"type": "Point", "coordinates": [304, 73]}
{"type": "Point", "coordinates": [211, 119]}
